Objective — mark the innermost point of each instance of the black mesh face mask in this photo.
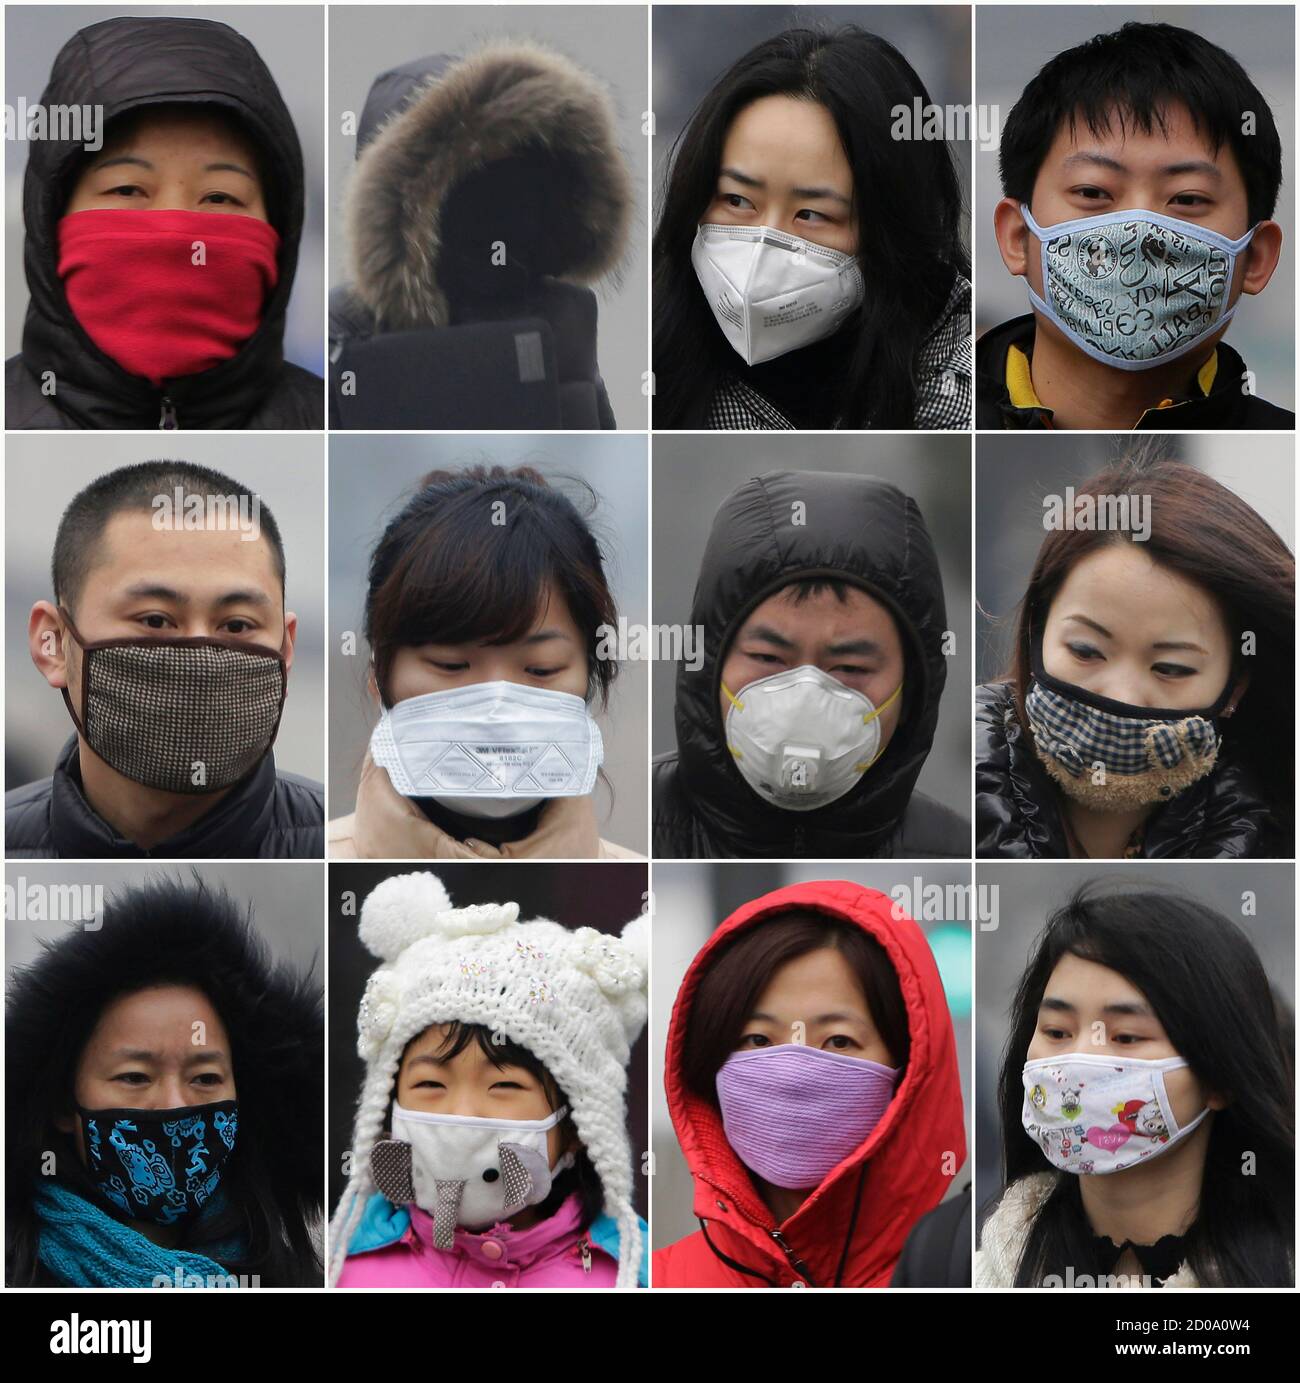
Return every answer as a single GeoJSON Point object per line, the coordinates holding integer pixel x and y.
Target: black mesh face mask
{"type": "Point", "coordinates": [182, 715]}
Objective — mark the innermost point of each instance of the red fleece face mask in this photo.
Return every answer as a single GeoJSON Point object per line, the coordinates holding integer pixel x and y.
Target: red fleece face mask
{"type": "Point", "coordinates": [167, 293]}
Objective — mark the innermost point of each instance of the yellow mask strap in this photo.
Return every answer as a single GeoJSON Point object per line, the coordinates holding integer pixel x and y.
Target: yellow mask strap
{"type": "Point", "coordinates": [884, 706]}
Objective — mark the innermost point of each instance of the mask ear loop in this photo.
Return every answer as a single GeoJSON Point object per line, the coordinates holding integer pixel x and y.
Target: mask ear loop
{"type": "Point", "coordinates": [866, 720]}
{"type": "Point", "coordinates": [737, 705]}
{"type": "Point", "coordinates": [1176, 1130]}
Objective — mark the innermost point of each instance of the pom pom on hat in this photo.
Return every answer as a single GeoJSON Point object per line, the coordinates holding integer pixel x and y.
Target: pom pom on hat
{"type": "Point", "coordinates": [408, 907]}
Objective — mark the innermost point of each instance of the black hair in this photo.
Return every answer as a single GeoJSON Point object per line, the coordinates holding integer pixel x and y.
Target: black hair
{"type": "Point", "coordinates": [1133, 77]}
{"type": "Point", "coordinates": [469, 557]}
{"type": "Point", "coordinates": [909, 209]}
{"type": "Point", "coordinates": [1206, 985]}
{"type": "Point", "coordinates": [169, 932]}
{"type": "Point", "coordinates": [136, 488]}
{"type": "Point", "coordinates": [582, 1176]}
{"type": "Point", "coordinates": [731, 986]}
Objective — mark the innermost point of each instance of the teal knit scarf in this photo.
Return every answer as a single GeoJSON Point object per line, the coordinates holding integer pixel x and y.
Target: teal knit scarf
{"type": "Point", "coordinates": [84, 1247]}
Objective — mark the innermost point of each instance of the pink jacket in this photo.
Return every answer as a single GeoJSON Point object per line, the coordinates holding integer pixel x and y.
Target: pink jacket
{"type": "Point", "coordinates": [547, 1254]}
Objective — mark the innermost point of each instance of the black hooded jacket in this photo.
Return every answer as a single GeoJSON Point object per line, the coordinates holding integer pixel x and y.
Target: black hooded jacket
{"type": "Point", "coordinates": [512, 151]}
{"type": "Point", "coordinates": [1018, 814]}
{"type": "Point", "coordinates": [869, 534]}
{"type": "Point", "coordinates": [269, 815]}
{"type": "Point", "coordinates": [1226, 407]}
{"type": "Point", "coordinates": [123, 65]}
{"type": "Point", "coordinates": [175, 931]}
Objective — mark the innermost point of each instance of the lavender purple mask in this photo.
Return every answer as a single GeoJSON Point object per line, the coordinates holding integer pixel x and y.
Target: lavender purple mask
{"type": "Point", "coordinates": [793, 1113]}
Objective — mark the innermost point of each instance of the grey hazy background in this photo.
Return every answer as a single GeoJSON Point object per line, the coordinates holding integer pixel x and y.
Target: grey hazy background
{"type": "Point", "coordinates": [695, 44]}
{"type": "Point", "coordinates": [286, 898]}
{"type": "Point", "coordinates": [690, 901]}
{"type": "Point", "coordinates": [291, 41]}
{"type": "Point", "coordinates": [1013, 42]}
{"type": "Point", "coordinates": [609, 40]}
{"type": "Point", "coordinates": [1013, 472]}
{"type": "Point", "coordinates": [42, 474]}
{"type": "Point", "coordinates": [1025, 900]}
{"type": "Point", "coordinates": [693, 475]}
{"type": "Point", "coordinates": [370, 480]}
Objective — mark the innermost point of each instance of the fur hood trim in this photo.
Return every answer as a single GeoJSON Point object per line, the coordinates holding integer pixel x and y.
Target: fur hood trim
{"type": "Point", "coordinates": [504, 100]}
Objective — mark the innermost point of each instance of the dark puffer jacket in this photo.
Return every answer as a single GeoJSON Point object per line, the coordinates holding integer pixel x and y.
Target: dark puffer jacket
{"type": "Point", "coordinates": [269, 815]}
{"type": "Point", "coordinates": [124, 65]}
{"type": "Point", "coordinates": [512, 149]}
{"type": "Point", "coordinates": [869, 534]}
{"type": "Point", "coordinates": [1018, 813]}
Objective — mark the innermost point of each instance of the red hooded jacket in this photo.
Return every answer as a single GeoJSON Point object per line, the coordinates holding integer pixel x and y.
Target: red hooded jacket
{"type": "Point", "coordinates": [851, 1229]}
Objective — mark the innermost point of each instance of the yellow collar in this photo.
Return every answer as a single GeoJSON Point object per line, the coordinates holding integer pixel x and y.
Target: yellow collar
{"type": "Point", "coordinates": [1020, 385]}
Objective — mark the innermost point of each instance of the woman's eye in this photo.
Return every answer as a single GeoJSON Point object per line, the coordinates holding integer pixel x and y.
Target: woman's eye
{"type": "Point", "coordinates": [124, 190]}
{"type": "Point", "coordinates": [839, 1042]}
{"type": "Point", "coordinates": [755, 1039]}
{"type": "Point", "coordinates": [222, 199]}
{"type": "Point", "coordinates": [1085, 651]}
{"type": "Point", "coordinates": [429, 1084]}
{"type": "Point", "coordinates": [210, 1078]}
{"type": "Point", "coordinates": [448, 667]}
{"type": "Point", "coordinates": [132, 1078]}
{"type": "Point", "coordinates": [736, 201]}
{"type": "Point", "coordinates": [814, 217]}
{"type": "Point", "coordinates": [1056, 1034]}
{"type": "Point", "coordinates": [1173, 670]}
{"type": "Point", "coordinates": [544, 671]}
{"type": "Point", "coordinates": [506, 1085]}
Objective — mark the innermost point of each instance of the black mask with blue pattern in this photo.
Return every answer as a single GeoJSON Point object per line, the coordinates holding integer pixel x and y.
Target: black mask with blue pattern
{"type": "Point", "coordinates": [161, 1165]}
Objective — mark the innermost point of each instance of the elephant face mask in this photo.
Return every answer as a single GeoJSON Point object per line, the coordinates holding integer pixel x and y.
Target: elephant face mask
{"type": "Point", "coordinates": [465, 1171]}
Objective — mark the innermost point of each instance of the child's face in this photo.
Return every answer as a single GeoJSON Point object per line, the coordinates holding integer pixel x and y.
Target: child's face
{"type": "Point", "coordinates": [172, 160]}
{"type": "Point", "coordinates": [469, 1085]}
{"type": "Point", "coordinates": [783, 166]}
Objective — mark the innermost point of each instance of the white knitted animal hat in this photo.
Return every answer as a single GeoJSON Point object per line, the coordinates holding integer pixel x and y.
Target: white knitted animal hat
{"type": "Point", "coordinates": [576, 999]}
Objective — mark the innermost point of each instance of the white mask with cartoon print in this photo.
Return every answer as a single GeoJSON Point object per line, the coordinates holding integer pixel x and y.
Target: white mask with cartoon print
{"type": "Point", "coordinates": [1093, 1114]}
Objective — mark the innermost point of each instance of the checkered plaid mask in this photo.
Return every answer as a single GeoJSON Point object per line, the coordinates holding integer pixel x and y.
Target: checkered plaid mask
{"type": "Point", "coordinates": [1111, 756]}
{"type": "Point", "coordinates": [182, 715]}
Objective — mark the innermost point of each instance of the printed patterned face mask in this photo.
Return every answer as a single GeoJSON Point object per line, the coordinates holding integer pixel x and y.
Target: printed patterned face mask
{"type": "Point", "coordinates": [465, 1171]}
{"type": "Point", "coordinates": [1093, 1114]}
{"type": "Point", "coordinates": [771, 292]}
{"type": "Point", "coordinates": [160, 1165]}
{"type": "Point", "coordinates": [182, 715]}
{"type": "Point", "coordinates": [1134, 289]}
{"type": "Point", "coordinates": [1111, 756]}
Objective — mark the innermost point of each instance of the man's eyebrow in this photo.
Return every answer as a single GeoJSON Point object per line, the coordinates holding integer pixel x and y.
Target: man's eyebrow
{"type": "Point", "coordinates": [117, 159]}
{"type": "Point", "coordinates": [767, 634]}
{"type": "Point", "coordinates": [866, 647]}
{"type": "Point", "coordinates": [1195, 165]}
{"type": "Point", "coordinates": [1092, 157]}
{"type": "Point", "coordinates": [148, 590]}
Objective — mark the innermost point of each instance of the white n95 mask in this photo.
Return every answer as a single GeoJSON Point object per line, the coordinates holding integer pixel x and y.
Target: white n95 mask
{"type": "Point", "coordinates": [1134, 289]}
{"type": "Point", "coordinates": [772, 292]}
{"type": "Point", "coordinates": [465, 1171]}
{"type": "Point", "coordinates": [493, 749]}
{"type": "Point", "coordinates": [1092, 1114]}
{"type": "Point", "coordinates": [801, 739]}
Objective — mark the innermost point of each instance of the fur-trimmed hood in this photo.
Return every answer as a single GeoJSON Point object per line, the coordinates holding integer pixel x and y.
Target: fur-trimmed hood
{"type": "Point", "coordinates": [174, 931]}
{"type": "Point", "coordinates": [512, 146]}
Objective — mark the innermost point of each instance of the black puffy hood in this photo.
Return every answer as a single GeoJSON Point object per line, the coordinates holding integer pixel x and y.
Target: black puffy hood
{"type": "Point", "coordinates": [124, 65]}
{"type": "Point", "coordinates": [859, 530]}
{"type": "Point", "coordinates": [513, 143]}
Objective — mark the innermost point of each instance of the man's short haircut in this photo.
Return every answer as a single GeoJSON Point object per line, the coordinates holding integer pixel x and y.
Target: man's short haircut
{"type": "Point", "coordinates": [1133, 77]}
{"type": "Point", "coordinates": [129, 488]}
